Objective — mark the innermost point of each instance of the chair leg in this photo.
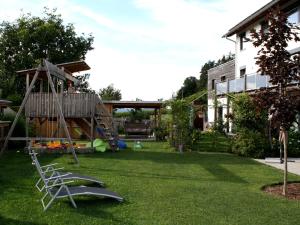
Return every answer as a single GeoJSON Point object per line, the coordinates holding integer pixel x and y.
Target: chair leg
{"type": "Point", "coordinates": [70, 197]}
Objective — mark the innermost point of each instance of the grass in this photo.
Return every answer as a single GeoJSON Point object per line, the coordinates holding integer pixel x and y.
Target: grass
{"type": "Point", "coordinates": [159, 187]}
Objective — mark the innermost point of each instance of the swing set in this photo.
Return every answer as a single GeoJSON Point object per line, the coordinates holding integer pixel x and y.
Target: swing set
{"type": "Point", "coordinates": [46, 106]}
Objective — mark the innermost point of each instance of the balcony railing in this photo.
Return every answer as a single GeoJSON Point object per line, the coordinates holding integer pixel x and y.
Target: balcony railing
{"type": "Point", "coordinates": [247, 83]}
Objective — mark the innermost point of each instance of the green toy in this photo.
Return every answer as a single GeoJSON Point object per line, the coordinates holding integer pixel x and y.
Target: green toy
{"type": "Point", "coordinates": [98, 144]}
{"type": "Point", "coordinates": [137, 145]}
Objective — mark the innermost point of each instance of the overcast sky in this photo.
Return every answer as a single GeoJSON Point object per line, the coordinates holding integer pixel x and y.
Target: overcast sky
{"type": "Point", "coordinates": [146, 48]}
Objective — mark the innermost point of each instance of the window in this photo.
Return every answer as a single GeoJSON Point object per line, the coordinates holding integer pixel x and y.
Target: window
{"type": "Point", "coordinates": [220, 113]}
{"type": "Point", "coordinates": [242, 72]}
{"type": "Point", "coordinates": [223, 78]}
{"type": "Point", "coordinates": [242, 39]}
{"type": "Point", "coordinates": [213, 84]}
{"type": "Point", "coordinates": [293, 16]}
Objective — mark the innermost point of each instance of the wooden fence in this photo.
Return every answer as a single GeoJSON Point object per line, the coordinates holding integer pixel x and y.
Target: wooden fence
{"type": "Point", "coordinates": [74, 105]}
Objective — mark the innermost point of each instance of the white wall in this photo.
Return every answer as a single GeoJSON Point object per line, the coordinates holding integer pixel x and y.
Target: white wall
{"type": "Point", "coordinates": [246, 57]}
{"type": "Point", "coordinates": [211, 110]}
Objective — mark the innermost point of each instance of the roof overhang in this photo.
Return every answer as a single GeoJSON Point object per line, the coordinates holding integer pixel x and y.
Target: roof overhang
{"type": "Point", "coordinates": [69, 68]}
{"type": "Point", "coordinates": [4, 103]}
{"type": "Point", "coordinates": [134, 104]}
{"type": "Point", "coordinates": [258, 15]}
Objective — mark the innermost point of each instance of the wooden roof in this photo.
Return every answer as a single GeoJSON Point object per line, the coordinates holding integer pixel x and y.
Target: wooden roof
{"type": "Point", "coordinates": [69, 68]}
{"type": "Point", "coordinates": [134, 104]}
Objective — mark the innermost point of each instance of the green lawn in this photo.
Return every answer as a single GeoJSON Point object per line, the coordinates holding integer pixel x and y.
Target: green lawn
{"type": "Point", "coordinates": [159, 187]}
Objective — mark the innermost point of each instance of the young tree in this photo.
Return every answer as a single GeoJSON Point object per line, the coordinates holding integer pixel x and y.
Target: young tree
{"type": "Point", "coordinates": [28, 39]}
{"type": "Point", "coordinates": [274, 60]}
{"type": "Point", "coordinates": [110, 93]}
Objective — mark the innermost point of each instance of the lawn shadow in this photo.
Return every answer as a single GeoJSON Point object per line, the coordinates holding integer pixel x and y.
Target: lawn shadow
{"type": "Point", "coordinates": [95, 207]}
{"type": "Point", "coordinates": [211, 162]}
{"type": "Point", "coordinates": [8, 221]}
{"type": "Point", "coordinates": [176, 158]}
{"type": "Point", "coordinates": [220, 174]}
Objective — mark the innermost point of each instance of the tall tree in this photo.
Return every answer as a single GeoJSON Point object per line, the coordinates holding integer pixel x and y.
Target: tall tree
{"type": "Point", "coordinates": [110, 93]}
{"type": "Point", "coordinates": [190, 86]}
{"type": "Point", "coordinates": [274, 60]}
{"type": "Point", "coordinates": [28, 39]}
{"type": "Point", "coordinates": [204, 74]}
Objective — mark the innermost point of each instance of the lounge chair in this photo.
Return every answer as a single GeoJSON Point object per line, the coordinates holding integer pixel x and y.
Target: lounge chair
{"type": "Point", "coordinates": [56, 187]}
{"type": "Point", "coordinates": [50, 170]}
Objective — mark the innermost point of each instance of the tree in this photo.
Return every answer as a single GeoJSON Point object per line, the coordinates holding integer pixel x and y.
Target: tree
{"type": "Point", "coordinates": [27, 40]}
{"type": "Point", "coordinates": [83, 85]}
{"type": "Point", "coordinates": [209, 65]}
{"type": "Point", "coordinates": [190, 86]}
{"type": "Point", "coordinates": [204, 74]}
{"type": "Point", "coordinates": [274, 60]}
{"type": "Point", "coordinates": [110, 93]}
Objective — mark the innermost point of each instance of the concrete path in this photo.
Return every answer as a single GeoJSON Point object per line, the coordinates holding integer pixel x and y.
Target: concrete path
{"type": "Point", "coordinates": [293, 164]}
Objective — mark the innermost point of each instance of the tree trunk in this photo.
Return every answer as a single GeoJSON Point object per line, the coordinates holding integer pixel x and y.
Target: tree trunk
{"type": "Point", "coordinates": [284, 138]}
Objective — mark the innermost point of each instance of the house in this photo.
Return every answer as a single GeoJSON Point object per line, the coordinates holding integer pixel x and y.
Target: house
{"type": "Point", "coordinates": [240, 75]}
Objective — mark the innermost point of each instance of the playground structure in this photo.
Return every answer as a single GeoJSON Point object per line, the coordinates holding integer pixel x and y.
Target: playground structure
{"type": "Point", "coordinates": [57, 114]}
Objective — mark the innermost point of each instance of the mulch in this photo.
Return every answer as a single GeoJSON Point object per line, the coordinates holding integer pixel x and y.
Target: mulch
{"type": "Point", "coordinates": [293, 190]}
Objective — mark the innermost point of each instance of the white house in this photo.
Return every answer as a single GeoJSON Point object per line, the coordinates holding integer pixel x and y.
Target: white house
{"type": "Point", "coordinates": [243, 75]}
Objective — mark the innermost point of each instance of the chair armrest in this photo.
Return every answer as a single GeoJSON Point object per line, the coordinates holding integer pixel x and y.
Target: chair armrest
{"type": "Point", "coordinates": [52, 170]}
{"type": "Point", "coordinates": [53, 164]}
{"type": "Point", "coordinates": [56, 177]}
{"type": "Point", "coordinates": [60, 184]}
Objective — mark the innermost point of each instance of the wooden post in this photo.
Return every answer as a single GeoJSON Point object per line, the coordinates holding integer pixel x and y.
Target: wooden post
{"type": "Point", "coordinates": [159, 117]}
{"type": "Point", "coordinates": [41, 85]}
{"type": "Point", "coordinates": [92, 131]}
{"type": "Point", "coordinates": [61, 103]}
{"type": "Point", "coordinates": [59, 108]}
{"type": "Point", "coordinates": [93, 105]}
{"type": "Point", "coordinates": [155, 117]}
{"type": "Point", "coordinates": [20, 109]}
{"type": "Point", "coordinates": [27, 117]}
{"type": "Point", "coordinates": [215, 107]}
{"type": "Point", "coordinates": [228, 107]}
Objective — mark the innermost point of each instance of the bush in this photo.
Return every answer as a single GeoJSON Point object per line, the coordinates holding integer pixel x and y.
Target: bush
{"type": "Point", "coordinates": [294, 144]}
{"type": "Point", "coordinates": [16, 99]}
{"type": "Point", "coordinates": [161, 133]}
{"type": "Point", "coordinates": [250, 144]}
{"type": "Point", "coordinates": [19, 130]}
{"type": "Point", "coordinates": [180, 129]}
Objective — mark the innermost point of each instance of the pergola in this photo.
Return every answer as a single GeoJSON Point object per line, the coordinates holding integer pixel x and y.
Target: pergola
{"type": "Point", "coordinates": [156, 105]}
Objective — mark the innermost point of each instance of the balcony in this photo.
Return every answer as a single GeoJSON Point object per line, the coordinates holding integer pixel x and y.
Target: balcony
{"type": "Point", "coordinates": [248, 83]}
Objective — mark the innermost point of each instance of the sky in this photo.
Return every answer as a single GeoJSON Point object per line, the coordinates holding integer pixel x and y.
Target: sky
{"type": "Point", "coordinates": [146, 48]}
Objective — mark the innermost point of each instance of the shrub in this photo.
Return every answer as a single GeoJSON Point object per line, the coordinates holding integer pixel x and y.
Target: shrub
{"type": "Point", "coordinates": [181, 124]}
{"type": "Point", "coordinates": [19, 130]}
{"type": "Point", "coordinates": [161, 133]}
{"type": "Point", "coordinates": [250, 144]}
{"type": "Point", "coordinates": [16, 99]}
{"type": "Point", "coordinates": [294, 143]}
